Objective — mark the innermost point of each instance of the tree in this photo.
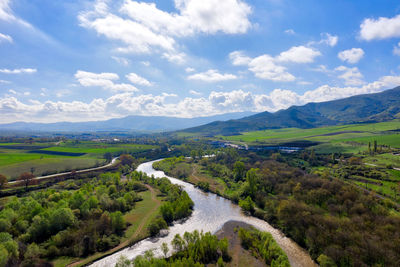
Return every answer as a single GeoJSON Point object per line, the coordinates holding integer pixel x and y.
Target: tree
{"type": "Point", "coordinates": [26, 178]}
{"type": "Point", "coordinates": [251, 177]}
{"type": "Point", "coordinates": [247, 205]}
{"type": "Point", "coordinates": [165, 249]}
{"type": "Point", "coordinates": [238, 170]}
{"type": "Point", "coordinates": [126, 159]}
{"type": "Point", "coordinates": [375, 146]}
{"type": "Point", "coordinates": [108, 156]}
{"type": "Point", "coordinates": [3, 181]}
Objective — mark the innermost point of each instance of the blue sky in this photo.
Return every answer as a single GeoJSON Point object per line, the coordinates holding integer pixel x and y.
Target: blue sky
{"type": "Point", "coordinates": [91, 60]}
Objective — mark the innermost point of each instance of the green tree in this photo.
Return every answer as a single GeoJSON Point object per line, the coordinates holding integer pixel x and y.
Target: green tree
{"type": "Point", "coordinates": [238, 170]}
{"type": "Point", "coordinates": [165, 249]}
{"type": "Point", "coordinates": [117, 222]}
{"type": "Point", "coordinates": [252, 177]}
{"type": "Point", "coordinates": [3, 256]}
{"type": "Point", "coordinates": [325, 261]}
{"type": "Point", "coordinates": [247, 205]}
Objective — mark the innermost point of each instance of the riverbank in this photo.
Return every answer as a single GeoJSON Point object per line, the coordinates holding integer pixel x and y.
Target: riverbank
{"type": "Point", "coordinates": [210, 213]}
{"type": "Point", "coordinates": [240, 256]}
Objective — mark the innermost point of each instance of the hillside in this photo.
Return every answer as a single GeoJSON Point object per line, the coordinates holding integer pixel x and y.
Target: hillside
{"type": "Point", "coordinates": [362, 108]}
{"type": "Point", "coordinates": [129, 123]}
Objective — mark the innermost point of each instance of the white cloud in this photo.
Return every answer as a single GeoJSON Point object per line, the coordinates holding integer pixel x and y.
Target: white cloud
{"type": "Point", "coordinates": [264, 67]}
{"type": "Point", "coordinates": [351, 76]}
{"type": "Point", "coordinates": [4, 82]}
{"type": "Point", "coordinates": [18, 71]}
{"type": "Point", "coordinates": [104, 80]}
{"type": "Point", "coordinates": [212, 76]}
{"type": "Point", "coordinates": [238, 58]}
{"type": "Point", "coordinates": [382, 28]}
{"type": "Point", "coordinates": [5, 38]}
{"type": "Point", "coordinates": [121, 60]}
{"type": "Point", "coordinates": [396, 49]}
{"type": "Point", "coordinates": [143, 28]}
{"type": "Point", "coordinates": [6, 14]}
{"type": "Point", "coordinates": [271, 68]}
{"type": "Point", "coordinates": [189, 69]}
{"type": "Point", "coordinates": [11, 91]}
{"type": "Point", "coordinates": [290, 32]}
{"type": "Point", "coordinates": [177, 58]}
{"type": "Point", "coordinates": [146, 63]}
{"type": "Point", "coordinates": [329, 39]}
{"type": "Point", "coordinates": [123, 104]}
{"type": "Point", "coordinates": [299, 54]}
{"type": "Point", "coordinates": [351, 55]}
{"type": "Point", "coordinates": [136, 79]}
{"type": "Point", "coordinates": [193, 92]}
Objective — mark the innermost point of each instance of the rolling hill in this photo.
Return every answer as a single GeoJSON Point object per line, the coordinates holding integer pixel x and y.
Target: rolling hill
{"type": "Point", "coordinates": [376, 107]}
{"type": "Point", "coordinates": [129, 123]}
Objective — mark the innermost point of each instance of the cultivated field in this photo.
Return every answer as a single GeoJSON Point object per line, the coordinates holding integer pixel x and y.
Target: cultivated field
{"type": "Point", "coordinates": [50, 158]}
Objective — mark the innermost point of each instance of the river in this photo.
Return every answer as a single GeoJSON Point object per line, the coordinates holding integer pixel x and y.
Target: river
{"type": "Point", "coordinates": [210, 213]}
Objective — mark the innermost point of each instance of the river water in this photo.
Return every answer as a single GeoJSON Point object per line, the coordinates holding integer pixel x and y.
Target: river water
{"type": "Point", "coordinates": [210, 213]}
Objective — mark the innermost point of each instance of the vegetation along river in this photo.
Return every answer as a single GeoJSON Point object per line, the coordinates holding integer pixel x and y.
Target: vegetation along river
{"type": "Point", "coordinates": [210, 213]}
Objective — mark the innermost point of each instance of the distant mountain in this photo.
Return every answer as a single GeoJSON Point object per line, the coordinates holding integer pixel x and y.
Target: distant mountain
{"type": "Point", "coordinates": [129, 123]}
{"type": "Point", "coordinates": [377, 107]}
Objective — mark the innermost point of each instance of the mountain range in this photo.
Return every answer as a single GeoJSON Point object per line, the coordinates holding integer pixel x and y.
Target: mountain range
{"type": "Point", "coordinates": [129, 124]}
{"type": "Point", "coordinates": [376, 107]}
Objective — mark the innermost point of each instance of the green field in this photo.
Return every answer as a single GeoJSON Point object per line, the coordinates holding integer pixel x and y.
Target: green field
{"type": "Point", "coordinates": [16, 158]}
{"type": "Point", "coordinates": [96, 148]}
{"type": "Point", "coordinates": [342, 132]}
{"type": "Point", "coordinates": [333, 139]}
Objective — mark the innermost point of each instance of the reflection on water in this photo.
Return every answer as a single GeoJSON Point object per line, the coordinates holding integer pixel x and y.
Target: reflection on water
{"type": "Point", "coordinates": [209, 215]}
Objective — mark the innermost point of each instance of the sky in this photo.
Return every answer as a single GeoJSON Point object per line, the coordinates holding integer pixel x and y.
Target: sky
{"type": "Point", "coordinates": [78, 60]}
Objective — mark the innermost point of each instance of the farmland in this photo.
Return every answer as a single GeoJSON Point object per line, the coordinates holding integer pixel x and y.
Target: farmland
{"type": "Point", "coordinates": [49, 158]}
{"type": "Point", "coordinates": [352, 138]}
{"type": "Point", "coordinates": [373, 171]}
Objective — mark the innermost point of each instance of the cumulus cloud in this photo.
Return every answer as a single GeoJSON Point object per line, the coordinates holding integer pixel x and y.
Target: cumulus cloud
{"type": "Point", "coordinates": [351, 55]}
{"type": "Point", "coordinates": [271, 68]}
{"type": "Point", "coordinates": [381, 28]}
{"type": "Point", "coordinates": [189, 69]}
{"type": "Point", "coordinates": [104, 80]}
{"type": "Point", "coordinates": [351, 76]}
{"type": "Point", "coordinates": [298, 54]}
{"type": "Point", "coordinates": [5, 38]}
{"type": "Point", "coordinates": [216, 102]}
{"type": "Point", "coordinates": [18, 71]}
{"type": "Point", "coordinates": [264, 67]}
{"type": "Point", "coordinates": [212, 76]}
{"type": "Point", "coordinates": [136, 79]}
{"type": "Point", "coordinates": [329, 39]}
{"type": "Point", "coordinates": [144, 28]}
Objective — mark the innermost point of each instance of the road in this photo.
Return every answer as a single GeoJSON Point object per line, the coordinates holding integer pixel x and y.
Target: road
{"type": "Point", "coordinates": [64, 173]}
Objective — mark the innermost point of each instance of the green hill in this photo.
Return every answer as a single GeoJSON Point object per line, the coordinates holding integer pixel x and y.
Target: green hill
{"type": "Point", "coordinates": [377, 107]}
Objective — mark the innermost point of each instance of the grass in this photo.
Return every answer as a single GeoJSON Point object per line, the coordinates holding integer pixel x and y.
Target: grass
{"type": "Point", "coordinates": [383, 160]}
{"type": "Point", "coordinates": [49, 165]}
{"type": "Point", "coordinates": [331, 133]}
{"type": "Point", "coordinates": [16, 158]}
{"type": "Point", "coordinates": [96, 148]}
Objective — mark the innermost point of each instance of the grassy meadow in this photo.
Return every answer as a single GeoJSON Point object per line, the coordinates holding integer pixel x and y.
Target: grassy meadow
{"type": "Point", "coordinates": [50, 158]}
